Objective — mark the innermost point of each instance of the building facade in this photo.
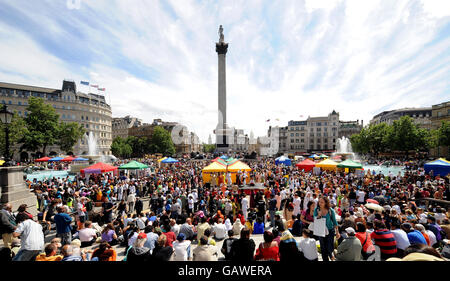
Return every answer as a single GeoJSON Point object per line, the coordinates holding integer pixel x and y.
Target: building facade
{"type": "Point", "coordinates": [421, 116]}
{"type": "Point", "coordinates": [121, 125]}
{"type": "Point", "coordinates": [440, 112]}
{"type": "Point", "coordinates": [185, 142]}
{"type": "Point", "coordinates": [315, 134]}
{"type": "Point", "coordinates": [349, 128]}
{"type": "Point", "coordinates": [90, 110]}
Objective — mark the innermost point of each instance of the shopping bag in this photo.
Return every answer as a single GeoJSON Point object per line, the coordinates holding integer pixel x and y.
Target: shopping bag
{"type": "Point", "coordinates": [320, 227]}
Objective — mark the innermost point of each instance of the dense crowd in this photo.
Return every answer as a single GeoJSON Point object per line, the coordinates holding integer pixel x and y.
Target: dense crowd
{"type": "Point", "coordinates": [300, 215]}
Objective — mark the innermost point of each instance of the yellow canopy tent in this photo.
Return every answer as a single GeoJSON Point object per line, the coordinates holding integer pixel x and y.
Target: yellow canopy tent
{"type": "Point", "coordinates": [327, 165]}
{"type": "Point", "coordinates": [214, 167]}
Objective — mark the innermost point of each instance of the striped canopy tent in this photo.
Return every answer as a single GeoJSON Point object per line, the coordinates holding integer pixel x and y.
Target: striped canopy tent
{"type": "Point", "coordinates": [322, 156]}
{"type": "Point", "coordinates": [439, 166]}
{"type": "Point", "coordinates": [327, 165]}
{"type": "Point", "coordinates": [68, 159]}
{"type": "Point", "coordinates": [55, 159]}
{"type": "Point", "coordinates": [98, 168]}
{"type": "Point", "coordinates": [239, 166]}
{"type": "Point", "coordinates": [133, 165]}
{"type": "Point", "coordinates": [43, 159]}
{"type": "Point", "coordinates": [306, 165]}
{"type": "Point", "coordinates": [350, 164]}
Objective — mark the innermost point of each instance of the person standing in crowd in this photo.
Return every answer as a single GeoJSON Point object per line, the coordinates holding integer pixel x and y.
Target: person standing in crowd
{"type": "Point", "coordinates": [7, 224]}
{"type": "Point", "coordinates": [324, 210]}
{"type": "Point", "coordinates": [31, 238]}
{"type": "Point", "coordinates": [63, 223]}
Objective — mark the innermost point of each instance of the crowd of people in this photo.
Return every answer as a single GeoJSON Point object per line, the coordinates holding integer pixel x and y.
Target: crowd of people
{"type": "Point", "coordinates": [169, 213]}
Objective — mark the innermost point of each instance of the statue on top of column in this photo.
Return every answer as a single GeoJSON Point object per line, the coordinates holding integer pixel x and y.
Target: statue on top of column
{"type": "Point", "coordinates": [221, 38]}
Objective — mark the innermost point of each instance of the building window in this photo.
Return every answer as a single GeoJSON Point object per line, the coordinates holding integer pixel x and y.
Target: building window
{"type": "Point", "coordinates": [19, 103]}
{"type": "Point", "coordinates": [9, 102]}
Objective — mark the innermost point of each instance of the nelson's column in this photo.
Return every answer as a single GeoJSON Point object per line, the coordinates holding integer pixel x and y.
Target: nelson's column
{"type": "Point", "coordinates": [222, 131]}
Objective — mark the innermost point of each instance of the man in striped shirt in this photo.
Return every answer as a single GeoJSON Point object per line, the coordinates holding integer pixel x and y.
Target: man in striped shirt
{"type": "Point", "coordinates": [384, 239]}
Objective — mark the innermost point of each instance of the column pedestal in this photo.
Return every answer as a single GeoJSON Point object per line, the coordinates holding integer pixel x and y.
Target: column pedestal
{"type": "Point", "coordinates": [15, 191]}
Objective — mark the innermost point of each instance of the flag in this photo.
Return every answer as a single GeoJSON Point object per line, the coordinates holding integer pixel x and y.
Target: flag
{"type": "Point", "coordinates": [84, 83]}
{"type": "Point", "coordinates": [95, 86]}
{"type": "Point", "coordinates": [101, 89]}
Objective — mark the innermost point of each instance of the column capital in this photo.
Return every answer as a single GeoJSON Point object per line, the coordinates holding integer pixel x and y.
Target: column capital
{"type": "Point", "coordinates": [221, 48]}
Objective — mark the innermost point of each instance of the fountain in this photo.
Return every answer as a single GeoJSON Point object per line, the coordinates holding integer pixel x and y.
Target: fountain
{"type": "Point", "coordinates": [344, 149]}
{"type": "Point", "coordinates": [92, 154]}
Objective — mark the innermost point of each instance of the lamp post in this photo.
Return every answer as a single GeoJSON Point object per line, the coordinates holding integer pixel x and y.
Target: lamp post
{"type": "Point", "coordinates": [6, 118]}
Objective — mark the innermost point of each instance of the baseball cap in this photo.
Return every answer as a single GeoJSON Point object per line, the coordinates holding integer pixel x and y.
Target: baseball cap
{"type": "Point", "coordinates": [181, 237]}
{"type": "Point", "coordinates": [142, 235]}
{"type": "Point", "coordinates": [350, 230]}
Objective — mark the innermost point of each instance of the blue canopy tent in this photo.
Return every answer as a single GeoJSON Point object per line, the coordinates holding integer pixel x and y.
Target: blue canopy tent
{"type": "Point", "coordinates": [169, 160]}
{"type": "Point", "coordinates": [224, 157]}
{"type": "Point", "coordinates": [80, 159]}
{"type": "Point", "coordinates": [314, 156]}
{"type": "Point", "coordinates": [55, 159]}
{"type": "Point", "coordinates": [283, 160]}
{"type": "Point", "coordinates": [439, 167]}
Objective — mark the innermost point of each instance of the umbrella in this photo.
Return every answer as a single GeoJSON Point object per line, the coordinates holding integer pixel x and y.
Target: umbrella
{"type": "Point", "coordinates": [169, 160]}
{"type": "Point", "coordinates": [68, 159]}
{"type": "Point", "coordinates": [55, 159]}
{"type": "Point", "coordinates": [133, 165]}
{"type": "Point", "coordinates": [80, 159]}
{"type": "Point", "coordinates": [98, 168]}
{"type": "Point", "coordinates": [43, 159]}
{"type": "Point", "coordinates": [372, 201]}
{"type": "Point", "coordinates": [375, 207]}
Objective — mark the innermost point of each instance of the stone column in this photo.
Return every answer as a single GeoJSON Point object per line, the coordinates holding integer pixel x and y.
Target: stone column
{"type": "Point", "coordinates": [222, 138]}
{"type": "Point", "coordinates": [14, 189]}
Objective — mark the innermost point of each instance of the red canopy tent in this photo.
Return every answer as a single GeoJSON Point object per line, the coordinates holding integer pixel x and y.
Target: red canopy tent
{"type": "Point", "coordinates": [98, 168]}
{"type": "Point", "coordinates": [306, 165]}
{"type": "Point", "coordinates": [68, 159]}
{"type": "Point", "coordinates": [43, 159]}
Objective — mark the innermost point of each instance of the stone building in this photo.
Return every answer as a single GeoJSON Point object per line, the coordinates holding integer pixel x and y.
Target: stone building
{"type": "Point", "coordinates": [90, 110]}
{"type": "Point", "coordinates": [421, 116]}
{"type": "Point", "coordinates": [120, 126]}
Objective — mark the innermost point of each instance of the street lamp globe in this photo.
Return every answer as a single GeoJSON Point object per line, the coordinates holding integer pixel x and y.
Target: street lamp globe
{"type": "Point", "coordinates": [6, 115]}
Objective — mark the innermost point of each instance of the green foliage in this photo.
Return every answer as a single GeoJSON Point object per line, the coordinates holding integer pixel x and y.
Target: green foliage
{"type": "Point", "coordinates": [68, 135]}
{"type": "Point", "coordinates": [161, 142]}
{"type": "Point", "coordinates": [121, 148]}
{"type": "Point", "coordinates": [209, 148]}
{"type": "Point", "coordinates": [42, 126]}
{"type": "Point", "coordinates": [443, 134]}
{"type": "Point", "coordinates": [403, 135]}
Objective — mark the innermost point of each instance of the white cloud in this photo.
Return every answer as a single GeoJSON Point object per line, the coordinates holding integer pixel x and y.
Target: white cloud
{"type": "Point", "coordinates": [285, 59]}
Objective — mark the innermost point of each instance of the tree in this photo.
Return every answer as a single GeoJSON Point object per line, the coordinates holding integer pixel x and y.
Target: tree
{"type": "Point", "coordinates": [121, 148]}
{"type": "Point", "coordinates": [444, 134]}
{"type": "Point", "coordinates": [209, 148]}
{"type": "Point", "coordinates": [162, 142]}
{"type": "Point", "coordinates": [42, 126]}
{"type": "Point", "coordinates": [68, 135]}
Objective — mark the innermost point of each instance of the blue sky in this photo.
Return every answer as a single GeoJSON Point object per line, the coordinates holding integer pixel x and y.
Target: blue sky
{"type": "Point", "coordinates": [286, 58]}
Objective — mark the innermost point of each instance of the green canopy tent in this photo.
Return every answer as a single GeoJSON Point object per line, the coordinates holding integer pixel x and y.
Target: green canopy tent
{"type": "Point", "coordinates": [350, 164]}
{"type": "Point", "coordinates": [133, 165]}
